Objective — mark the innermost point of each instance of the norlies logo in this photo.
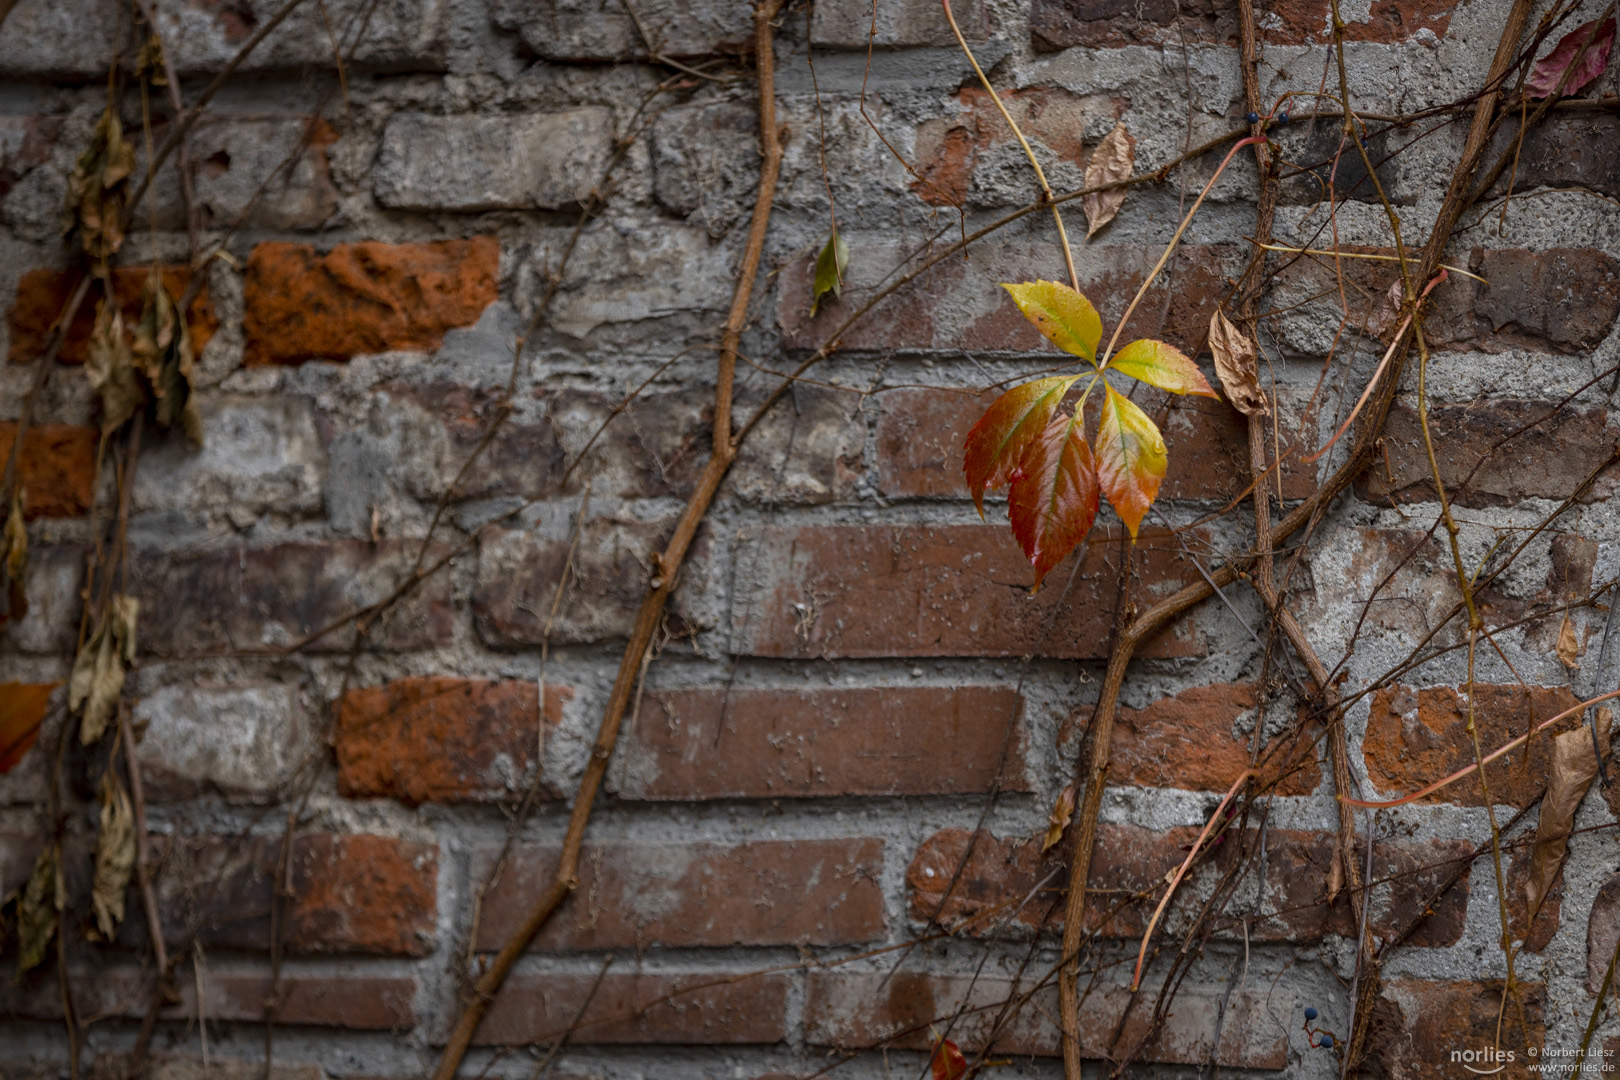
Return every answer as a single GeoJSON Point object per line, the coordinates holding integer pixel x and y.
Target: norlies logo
{"type": "Point", "coordinates": [1486, 1061]}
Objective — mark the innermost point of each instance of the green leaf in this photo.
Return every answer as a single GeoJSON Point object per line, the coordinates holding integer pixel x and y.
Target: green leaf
{"type": "Point", "coordinates": [1161, 365]}
{"type": "Point", "coordinates": [997, 442]}
{"type": "Point", "coordinates": [1053, 499]}
{"type": "Point", "coordinates": [1131, 459]}
{"type": "Point", "coordinates": [831, 265]}
{"type": "Point", "coordinates": [1066, 318]}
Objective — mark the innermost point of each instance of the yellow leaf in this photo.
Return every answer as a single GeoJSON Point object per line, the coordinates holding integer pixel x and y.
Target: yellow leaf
{"type": "Point", "coordinates": [1113, 160]}
{"type": "Point", "coordinates": [1131, 459]}
{"type": "Point", "coordinates": [1064, 316]}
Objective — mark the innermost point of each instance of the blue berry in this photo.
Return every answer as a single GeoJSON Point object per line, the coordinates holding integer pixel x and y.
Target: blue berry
{"type": "Point", "coordinates": [1310, 1013]}
{"type": "Point", "coordinates": [1327, 1041]}
{"type": "Point", "coordinates": [1253, 118]}
{"type": "Point", "coordinates": [1282, 117]}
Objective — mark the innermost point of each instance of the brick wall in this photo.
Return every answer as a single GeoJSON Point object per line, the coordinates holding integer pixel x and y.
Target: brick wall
{"type": "Point", "coordinates": [853, 671]}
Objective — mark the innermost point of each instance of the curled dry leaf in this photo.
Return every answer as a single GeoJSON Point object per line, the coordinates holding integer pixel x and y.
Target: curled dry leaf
{"type": "Point", "coordinates": [948, 1062]}
{"type": "Point", "coordinates": [98, 670]}
{"type": "Point", "coordinates": [1550, 68]}
{"type": "Point", "coordinates": [13, 560]}
{"type": "Point", "coordinates": [115, 856]}
{"type": "Point", "coordinates": [39, 909]}
{"type": "Point", "coordinates": [831, 266]}
{"type": "Point", "coordinates": [162, 352]}
{"type": "Point", "coordinates": [1113, 160]}
{"type": "Point", "coordinates": [21, 707]}
{"type": "Point", "coordinates": [1237, 366]}
{"type": "Point", "coordinates": [1569, 644]}
{"type": "Point", "coordinates": [1387, 315]}
{"type": "Point", "coordinates": [110, 368]}
{"type": "Point", "coordinates": [94, 207]}
{"type": "Point", "coordinates": [1058, 820]}
{"type": "Point", "coordinates": [1574, 764]}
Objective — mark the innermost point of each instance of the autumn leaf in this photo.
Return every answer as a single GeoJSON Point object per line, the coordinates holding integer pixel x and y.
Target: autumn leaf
{"type": "Point", "coordinates": [1058, 820]}
{"type": "Point", "coordinates": [110, 367]}
{"type": "Point", "coordinates": [1113, 160]}
{"type": "Point", "coordinates": [115, 857]}
{"type": "Point", "coordinates": [1236, 366]}
{"type": "Point", "coordinates": [22, 707]}
{"type": "Point", "coordinates": [831, 265]}
{"type": "Point", "coordinates": [39, 909]}
{"type": "Point", "coordinates": [98, 670]}
{"type": "Point", "coordinates": [1569, 645]}
{"type": "Point", "coordinates": [13, 561]}
{"type": "Point", "coordinates": [1550, 68]}
{"type": "Point", "coordinates": [1053, 499]}
{"type": "Point", "coordinates": [948, 1062]}
{"type": "Point", "coordinates": [1131, 459]}
{"type": "Point", "coordinates": [996, 444]}
{"type": "Point", "coordinates": [161, 351]}
{"type": "Point", "coordinates": [1161, 365]}
{"type": "Point", "coordinates": [1574, 764]}
{"type": "Point", "coordinates": [94, 206]}
{"type": "Point", "coordinates": [1066, 317]}
{"type": "Point", "coordinates": [1386, 315]}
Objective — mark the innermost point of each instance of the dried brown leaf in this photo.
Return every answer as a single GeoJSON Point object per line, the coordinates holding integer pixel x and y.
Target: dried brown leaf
{"type": "Point", "coordinates": [1062, 812]}
{"type": "Point", "coordinates": [1237, 366]}
{"type": "Point", "coordinates": [1574, 764]}
{"type": "Point", "coordinates": [98, 670]}
{"type": "Point", "coordinates": [13, 560]}
{"type": "Point", "coordinates": [1387, 315]}
{"type": "Point", "coordinates": [94, 207]}
{"type": "Point", "coordinates": [1113, 160]}
{"type": "Point", "coordinates": [1569, 644]}
{"type": "Point", "coordinates": [39, 909]}
{"type": "Point", "coordinates": [115, 857]}
{"type": "Point", "coordinates": [161, 350]}
{"type": "Point", "coordinates": [110, 368]}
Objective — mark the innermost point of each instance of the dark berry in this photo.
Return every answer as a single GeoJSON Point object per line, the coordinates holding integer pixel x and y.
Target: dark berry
{"type": "Point", "coordinates": [1310, 1013]}
{"type": "Point", "coordinates": [1253, 118]}
{"type": "Point", "coordinates": [1282, 117]}
{"type": "Point", "coordinates": [1327, 1041]}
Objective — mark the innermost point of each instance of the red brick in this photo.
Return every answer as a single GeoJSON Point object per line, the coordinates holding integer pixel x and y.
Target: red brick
{"type": "Point", "coordinates": [1002, 873]}
{"type": "Point", "coordinates": [58, 468]}
{"type": "Point", "coordinates": [960, 305]}
{"type": "Point", "coordinates": [518, 574]}
{"type": "Point", "coordinates": [681, 895]}
{"type": "Point", "coordinates": [363, 298]}
{"type": "Point", "coordinates": [717, 1009]}
{"type": "Point", "coordinates": [1567, 149]}
{"type": "Point", "coordinates": [1061, 24]}
{"type": "Point", "coordinates": [1539, 934]}
{"type": "Point", "coordinates": [441, 739]}
{"type": "Point", "coordinates": [1417, 1025]}
{"type": "Point", "coordinates": [351, 893]}
{"type": "Point", "coordinates": [262, 599]}
{"type": "Point", "coordinates": [937, 590]}
{"type": "Point", "coordinates": [43, 294]}
{"type": "Point", "coordinates": [23, 708]}
{"type": "Point", "coordinates": [1187, 741]}
{"type": "Point", "coordinates": [1545, 462]}
{"type": "Point", "coordinates": [858, 1010]}
{"type": "Point", "coordinates": [1415, 737]}
{"type": "Point", "coordinates": [714, 743]}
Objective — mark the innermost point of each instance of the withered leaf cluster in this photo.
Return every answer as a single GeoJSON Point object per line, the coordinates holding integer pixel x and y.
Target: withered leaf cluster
{"type": "Point", "coordinates": [94, 208]}
{"type": "Point", "coordinates": [98, 670]}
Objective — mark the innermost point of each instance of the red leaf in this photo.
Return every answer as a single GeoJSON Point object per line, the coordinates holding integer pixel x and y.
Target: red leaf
{"type": "Point", "coordinates": [1054, 497]}
{"type": "Point", "coordinates": [22, 708]}
{"type": "Point", "coordinates": [1550, 68]}
{"type": "Point", "coordinates": [948, 1063]}
{"type": "Point", "coordinates": [998, 441]}
{"type": "Point", "coordinates": [1131, 459]}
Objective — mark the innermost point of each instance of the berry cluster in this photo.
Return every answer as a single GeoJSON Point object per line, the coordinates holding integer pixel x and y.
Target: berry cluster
{"type": "Point", "coordinates": [1319, 1037]}
{"type": "Point", "coordinates": [1254, 117]}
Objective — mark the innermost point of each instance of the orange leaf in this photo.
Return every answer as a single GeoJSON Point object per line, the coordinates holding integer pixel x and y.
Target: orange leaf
{"type": "Point", "coordinates": [948, 1062]}
{"type": "Point", "coordinates": [1066, 318]}
{"type": "Point", "coordinates": [1131, 459]}
{"type": "Point", "coordinates": [1058, 820]}
{"type": "Point", "coordinates": [1161, 365]}
{"type": "Point", "coordinates": [22, 710]}
{"type": "Point", "coordinates": [997, 442]}
{"type": "Point", "coordinates": [1053, 499]}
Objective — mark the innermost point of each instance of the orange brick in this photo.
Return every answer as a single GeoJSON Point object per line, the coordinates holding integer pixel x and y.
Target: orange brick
{"type": "Point", "coordinates": [58, 468]}
{"type": "Point", "coordinates": [42, 294]}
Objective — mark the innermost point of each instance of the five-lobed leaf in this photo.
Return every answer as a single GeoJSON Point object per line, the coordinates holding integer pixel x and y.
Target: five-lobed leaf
{"type": "Point", "coordinates": [1066, 317]}
{"type": "Point", "coordinates": [1054, 495]}
{"type": "Point", "coordinates": [1161, 365]}
{"type": "Point", "coordinates": [1550, 68]}
{"type": "Point", "coordinates": [997, 443]}
{"type": "Point", "coordinates": [1131, 458]}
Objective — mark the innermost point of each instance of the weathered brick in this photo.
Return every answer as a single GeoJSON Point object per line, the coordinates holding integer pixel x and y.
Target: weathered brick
{"type": "Point", "coordinates": [1564, 150]}
{"type": "Point", "coordinates": [441, 739]}
{"type": "Point", "coordinates": [1602, 928]}
{"type": "Point", "coordinates": [935, 590]}
{"type": "Point", "coordinates": [848, 24]}
{"type": "Point", "coordinates": [245, 740]}
{"type": "Point", "coordinates": [237, 597]}
{"type": "Point", "coordinates": [959, 305]}
{"type": "Point", "coordinates": [1537, 935]}
{"type": "Point", "coordinates": [43, 294]}
{"type": "Point", "coordinates": [1001, 874]}
{"type": "Point", "coordinates": [1060, 24]}
{"type": "Point", "coordinates": [1188, 741]}
{"type": "Point", "coordinates": [26, 143]}
{"type": "Point", "coordinates": [705, 160]}
{"type": "Point", "coordinates": [587, 30]}
{"type": "Point", "coordinates": [52, 584]}
{"type": "Point", "coordinates": [518, 574]}
{"type": "Point", "coordinates": [853, 1010]}
{"type": "Point", "coordinates": [467, 163]}
{"type": "Point", "coordinates": [350, 893]}
{"type": "Point", "coordinates": [1417, 1025]}
{"type": "Point", "coordinates": [1415, 737]}
{"type": "Point", "coordinates": [58, 468]}
{"type": "Point", "coordinates": [1563, 298]}
{"type": "Point", "coordinates": [1317, 157]}
{"type": "Point", "coordinates": [683, 895]}
{"type": "Point", "coordinates": [1544, 462]}
{"type": "Point", "coordinates": [714, 743]}
{"type": "Point", "coordinates": [921, 432]}
{"type": "Point", "coordinates": [363, 298]}
{"type": "Point", "coordinates": [706, 1009]}
{"type": "Point", "coordinates": [259, 455]}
